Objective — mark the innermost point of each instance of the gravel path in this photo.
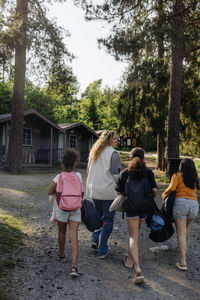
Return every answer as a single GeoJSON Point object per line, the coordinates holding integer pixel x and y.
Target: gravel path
{"type": "Point", "coordinates": [38, 274]}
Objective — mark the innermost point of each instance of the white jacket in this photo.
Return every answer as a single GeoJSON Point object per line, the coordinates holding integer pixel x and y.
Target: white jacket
{"type": "Point", "coordinates": [100, 183]}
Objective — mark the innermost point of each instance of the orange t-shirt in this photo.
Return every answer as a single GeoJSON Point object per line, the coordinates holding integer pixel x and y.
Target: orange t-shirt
{"type": "Point", "coordinates": [182, 190]}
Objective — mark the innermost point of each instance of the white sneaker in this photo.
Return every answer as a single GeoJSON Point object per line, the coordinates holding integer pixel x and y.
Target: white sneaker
{"type": "Point", "coordinates": [103, 256]}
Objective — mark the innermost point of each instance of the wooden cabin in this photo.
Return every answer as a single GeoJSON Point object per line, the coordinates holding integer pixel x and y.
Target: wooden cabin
{"type": "Point", "coordinates": [44, 141]}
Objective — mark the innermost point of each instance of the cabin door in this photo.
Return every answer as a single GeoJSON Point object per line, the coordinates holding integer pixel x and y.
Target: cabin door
{"type": "Point", "coordinates": [61, 140]}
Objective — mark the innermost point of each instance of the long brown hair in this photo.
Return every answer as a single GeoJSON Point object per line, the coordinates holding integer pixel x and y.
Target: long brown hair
{"type": "Point", "coordinates": [101, 144]}
{"type": "Point", "coordinates": [137, 152]}
{"type": "Point", "coordinates": [137, 167]}
{"type": "Point", "coordinates": [189, 173]}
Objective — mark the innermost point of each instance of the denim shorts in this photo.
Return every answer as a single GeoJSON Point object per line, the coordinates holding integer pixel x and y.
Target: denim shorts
{"type": "Point", "coordinates": [141, 216]}
{"type": "Point", "coordinates": [66, 216]}
{"type": "Point", "coordinates": [185, 208]}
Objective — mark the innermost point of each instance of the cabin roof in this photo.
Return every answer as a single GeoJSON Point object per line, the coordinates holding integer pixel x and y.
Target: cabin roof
{"type": "Point", "coordinates": [68, 126]}
{"type": "Point", "coordinates": [7, 117]}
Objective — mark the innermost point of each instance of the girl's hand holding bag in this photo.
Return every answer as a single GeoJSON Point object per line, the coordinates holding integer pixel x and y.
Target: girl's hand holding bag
{"type": "Point", "coordinates": [117, 204]}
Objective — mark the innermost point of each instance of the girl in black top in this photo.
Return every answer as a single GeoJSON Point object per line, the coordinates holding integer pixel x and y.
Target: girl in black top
{"type": "Point", "coordinates": [138, 169]}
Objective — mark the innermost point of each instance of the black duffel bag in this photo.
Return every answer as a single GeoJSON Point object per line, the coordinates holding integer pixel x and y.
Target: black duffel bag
{"type": "Point", "coordinates": [163, 234]}
{"type": "Point", "coordinates": [90, 216]}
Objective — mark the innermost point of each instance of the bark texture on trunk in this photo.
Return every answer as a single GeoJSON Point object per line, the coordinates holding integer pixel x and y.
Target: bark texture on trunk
{"type": "Point", "coordinates": [161, 98]}
{"type": "Point", "coordinates": [175, 81]}
{"type": "Point", "coordinates": [13, 162]}
{"type": "Point", "coordinates": [160, 151]}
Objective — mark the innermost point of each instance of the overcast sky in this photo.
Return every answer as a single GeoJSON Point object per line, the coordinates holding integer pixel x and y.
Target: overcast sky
{"type": "Point", "coordinates": [90, 63]}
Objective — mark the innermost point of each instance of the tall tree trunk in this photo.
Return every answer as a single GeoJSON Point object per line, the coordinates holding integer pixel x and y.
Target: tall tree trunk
{"type": "Point", "coordinates": [161, 101]}
{"type": "Point", "coordinates": [14, 156]}
{"type": "Point", "coordinates": [175, 81]}
{"type": "Point", "coordinates": [160, 150]}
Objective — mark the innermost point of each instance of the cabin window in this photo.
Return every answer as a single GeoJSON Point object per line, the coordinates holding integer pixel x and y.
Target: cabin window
{"type": "Point", "coordinates": [27, 137]}
{"type": "Point", "coordinates": [91, 142]}
{"type": "Point", "coordinates": [73, 141]}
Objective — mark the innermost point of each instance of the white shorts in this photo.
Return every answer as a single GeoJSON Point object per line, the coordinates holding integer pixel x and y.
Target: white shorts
{"type": "Point", "coordinates": [66, 216]}
{"type": "Point", "coordinates": [185, 208]}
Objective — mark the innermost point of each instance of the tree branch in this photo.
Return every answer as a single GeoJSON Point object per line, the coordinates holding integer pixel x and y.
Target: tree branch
{"type": "Point", "coordinates": [195, 49]}
{"type": "Point", "coordinates": [96, 16]}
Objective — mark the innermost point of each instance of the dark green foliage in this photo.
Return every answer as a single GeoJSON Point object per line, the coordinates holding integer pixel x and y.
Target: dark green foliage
{"type": "Point", "coordinates": [139, 35]}
{"type": "Point", "coordinates": [27, 29]}
{"type": "Point", "coordinates": [5, 97]}
{"type": "Point", "coordinates": [63, 82]}
{"type": "Point", "coordinates": [44, 40]}
{"type": "Point", "coordinates": [89, 106]}
{"type": "Point", "coordinates": [150, 33]}
{"type": "Point", "coordinates": [51, 103]}
{"type": "Point", "coordinates": [190, 108]}
{"type": "Point", "coordinates": [92, 114]}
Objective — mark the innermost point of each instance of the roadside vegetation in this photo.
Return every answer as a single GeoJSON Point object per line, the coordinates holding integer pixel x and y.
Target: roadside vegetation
{"type": "Point", "coordinates": [12, 234]}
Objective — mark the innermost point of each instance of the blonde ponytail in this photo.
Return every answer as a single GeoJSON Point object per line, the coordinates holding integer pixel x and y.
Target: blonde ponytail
{"type": "Point", "coordinates": [101, 144]}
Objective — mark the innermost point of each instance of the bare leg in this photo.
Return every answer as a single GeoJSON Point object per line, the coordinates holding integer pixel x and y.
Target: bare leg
{"type": "Point", "coordinates": [181, 227]}
{"type": "Point", "coordinates": [73, 231]}
{"type": "Point", "coordinates": [133, 226]}
{"type": "Point", "coordinates": [141, 221]}
{"type": "Point", "coordinates": [189, 221]}
{"type": "Point", "coordinates": [62, 227]}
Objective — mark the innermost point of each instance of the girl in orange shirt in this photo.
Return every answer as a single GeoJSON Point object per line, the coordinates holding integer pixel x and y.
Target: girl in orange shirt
{"type": "Point", "coordinates": [186, 206]}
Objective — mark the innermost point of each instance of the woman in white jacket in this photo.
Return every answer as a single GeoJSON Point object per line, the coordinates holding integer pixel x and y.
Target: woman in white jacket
{"type": "Point", "coordinates": [103, 171]}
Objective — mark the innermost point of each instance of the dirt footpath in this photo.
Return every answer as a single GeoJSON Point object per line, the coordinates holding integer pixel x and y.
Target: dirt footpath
{"type": "Point", "coordinates": [39, 275]}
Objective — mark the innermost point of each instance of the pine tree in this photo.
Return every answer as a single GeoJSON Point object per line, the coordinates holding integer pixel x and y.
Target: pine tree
{"type": "Point", "coordinates": [27, 31]}
{"type": "Point", "coordinates": [136, 28]}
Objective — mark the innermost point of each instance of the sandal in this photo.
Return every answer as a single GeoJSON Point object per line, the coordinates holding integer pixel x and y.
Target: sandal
{"type": "Point", "coordinates": [125, 262]}
{"type": "Point", "coordinates": [74, 272]}
{"type": "Point", "coordinates": [181, 267]}
{"type": "Point", "coordinates": [62, 258]}
{"type": "Point", "coordinates": [138, 279]}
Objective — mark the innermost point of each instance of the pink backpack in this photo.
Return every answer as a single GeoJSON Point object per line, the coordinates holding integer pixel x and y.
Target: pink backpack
{"type": "Point", "coordinates": [69, 191]}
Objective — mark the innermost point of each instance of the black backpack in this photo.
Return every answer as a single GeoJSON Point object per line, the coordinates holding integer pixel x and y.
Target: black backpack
{"type": "Point", "coordinates": [138, 195]}
{"type": "Point", "coordinates": [90, 216]}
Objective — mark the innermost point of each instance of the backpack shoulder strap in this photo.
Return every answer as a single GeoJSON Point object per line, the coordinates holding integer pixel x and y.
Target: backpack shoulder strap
{"type": "Point", "coordinates": [60, 183]}
{"type": "Point", "coordinates": [81, 184]}
{"type": "Point", "coordinates": [126, 176]}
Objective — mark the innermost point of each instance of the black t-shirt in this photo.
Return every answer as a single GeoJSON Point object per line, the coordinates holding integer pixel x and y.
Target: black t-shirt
{"type": "Point", "coordinates": [120, 186]}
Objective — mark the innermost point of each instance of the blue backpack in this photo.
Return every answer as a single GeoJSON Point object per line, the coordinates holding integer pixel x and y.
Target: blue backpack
{"type": "Point", "coordinates": [157, 222]}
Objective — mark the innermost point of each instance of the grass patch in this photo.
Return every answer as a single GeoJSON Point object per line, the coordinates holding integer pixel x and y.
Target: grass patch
{"type": "Point", "coordinates": [162, 179]}
{"type": "Point", "coordinates": [124, 158]}
{"type": "Point", "coordinates": [11, 238]}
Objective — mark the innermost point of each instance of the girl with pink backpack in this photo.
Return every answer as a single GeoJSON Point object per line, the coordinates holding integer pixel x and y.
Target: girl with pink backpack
{"type": "Point", "coordinates": [69, 194]}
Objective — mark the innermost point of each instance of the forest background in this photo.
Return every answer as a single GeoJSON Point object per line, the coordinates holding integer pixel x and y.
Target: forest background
{"type": "Point", "coordinates": [142, 35]}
